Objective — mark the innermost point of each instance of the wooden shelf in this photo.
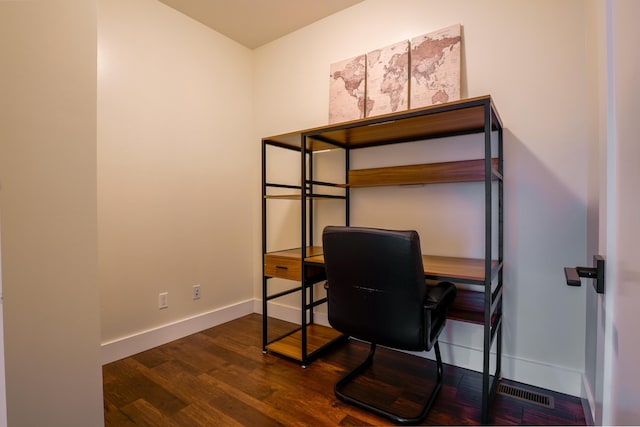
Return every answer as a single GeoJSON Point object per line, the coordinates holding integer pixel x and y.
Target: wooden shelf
{"type": "Point", "coordinates": [318, 337]}
{"type": "Point", "coordinates": [430, 173]}
{"type": "Point", "coordinates": [284, 196]}
{"type": "Point", "coordinates": [468, 307]}
{"type": "Point", "coordinates": [427, 173]}
{"type": "Point", "coordinates": [436, 121]}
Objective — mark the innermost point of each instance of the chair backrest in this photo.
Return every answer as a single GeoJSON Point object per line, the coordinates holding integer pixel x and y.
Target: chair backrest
{"type": "Point", "coordinates": [376, 285]}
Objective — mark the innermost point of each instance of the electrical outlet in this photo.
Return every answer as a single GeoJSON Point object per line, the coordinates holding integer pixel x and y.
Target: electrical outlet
{"type": "Point", "coordinates": [196, 291]}
{"type": "Point", "coordinates": [163, 300]}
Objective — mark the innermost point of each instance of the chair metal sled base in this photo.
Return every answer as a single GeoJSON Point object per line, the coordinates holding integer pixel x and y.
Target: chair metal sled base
{"type": "Point", "coordinates": [379, 411]}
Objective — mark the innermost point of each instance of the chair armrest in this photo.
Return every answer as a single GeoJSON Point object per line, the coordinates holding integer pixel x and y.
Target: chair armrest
{"type": "Point", "coordinates": [441, 294]}
{"type": "Point", "coordinates": [436, 305]}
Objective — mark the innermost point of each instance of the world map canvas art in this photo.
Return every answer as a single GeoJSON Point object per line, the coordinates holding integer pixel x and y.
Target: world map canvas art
{"type": "Point", "coordinates": [387, 80]}
{"type": "Point", "coordinates": [435, 67]}
{"type": "Point", "coordinates": [409, 74]}
{"type": "Point", "coordinates": [347, 90]}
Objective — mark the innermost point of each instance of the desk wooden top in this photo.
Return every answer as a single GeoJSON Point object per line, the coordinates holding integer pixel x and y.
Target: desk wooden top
{"type": "Point", "coordinates": [442, 267]}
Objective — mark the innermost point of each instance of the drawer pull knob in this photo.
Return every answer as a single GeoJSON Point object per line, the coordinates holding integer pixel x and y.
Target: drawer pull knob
{"type": "Point", "coordinates": [282, 267]}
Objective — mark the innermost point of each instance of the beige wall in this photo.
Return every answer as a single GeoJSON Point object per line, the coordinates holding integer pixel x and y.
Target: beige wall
{"type": "Point", "coordinates": [530, 56]}
{"type": "Point", "coordinates": [177, 175]}
{"type": "Point", "coordinates": [48, 203]}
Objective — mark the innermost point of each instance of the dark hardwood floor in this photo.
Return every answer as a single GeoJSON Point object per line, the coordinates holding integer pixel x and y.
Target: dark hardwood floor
{"type": "Point", "coordinates": [219, 377]}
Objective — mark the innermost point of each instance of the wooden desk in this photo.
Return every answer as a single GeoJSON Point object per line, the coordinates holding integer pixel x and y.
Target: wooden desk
{"type": "Point", "coordinates": [464, 270]}
{"type": "Point", "coordinates": [468, 305]}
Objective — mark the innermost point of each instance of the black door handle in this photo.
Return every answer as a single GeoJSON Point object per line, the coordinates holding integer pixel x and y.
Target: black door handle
{"type": "Point", "coordinates": [574, 274]}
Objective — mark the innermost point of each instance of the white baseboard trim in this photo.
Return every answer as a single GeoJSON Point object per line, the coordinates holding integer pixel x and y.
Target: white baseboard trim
{"type": "Point", "coordinates": [550, 377]}
{"type": "Point", "coordinates": [530, 372]}
{"type": "Point", "coordinates": [127, 346]}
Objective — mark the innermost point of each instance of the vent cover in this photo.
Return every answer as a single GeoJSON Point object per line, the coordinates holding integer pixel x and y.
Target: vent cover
{"type": "Point", "coordinates": [526, 395]}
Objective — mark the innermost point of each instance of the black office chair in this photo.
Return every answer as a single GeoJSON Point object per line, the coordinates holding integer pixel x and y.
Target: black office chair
{"type": "Point", "coordinates": [377, 293]}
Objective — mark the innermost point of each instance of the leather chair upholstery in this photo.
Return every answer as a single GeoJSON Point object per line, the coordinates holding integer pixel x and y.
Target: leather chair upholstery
{"type": "Point", "coordinates": [377, 293]}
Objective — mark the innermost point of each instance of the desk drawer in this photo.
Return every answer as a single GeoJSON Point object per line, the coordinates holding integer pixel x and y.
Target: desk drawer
{"type": "Point", "coordinates": [282, 267]}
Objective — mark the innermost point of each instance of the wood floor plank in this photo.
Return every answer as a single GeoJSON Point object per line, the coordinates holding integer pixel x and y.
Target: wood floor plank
{"type": "Point", "coordinates": [201, 414]}
{"type": "Point", "coordinates": [220, 377]}
{"type": "Point", "coordinates": [113, 416]}
{"type": "Point", "coordinates": [136, 384]}
{"type": "Point", "coordinates": [146, 414]}
{"type": "Point", "coordinates": [288, 417]}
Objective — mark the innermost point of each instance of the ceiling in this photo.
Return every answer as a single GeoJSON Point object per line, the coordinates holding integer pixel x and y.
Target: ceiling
{"type": "Point", "coordinates": [253, 23]}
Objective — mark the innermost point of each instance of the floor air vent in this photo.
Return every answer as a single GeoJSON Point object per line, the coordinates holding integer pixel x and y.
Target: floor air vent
{"type": "Point", "coordinates": [526, 395]}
